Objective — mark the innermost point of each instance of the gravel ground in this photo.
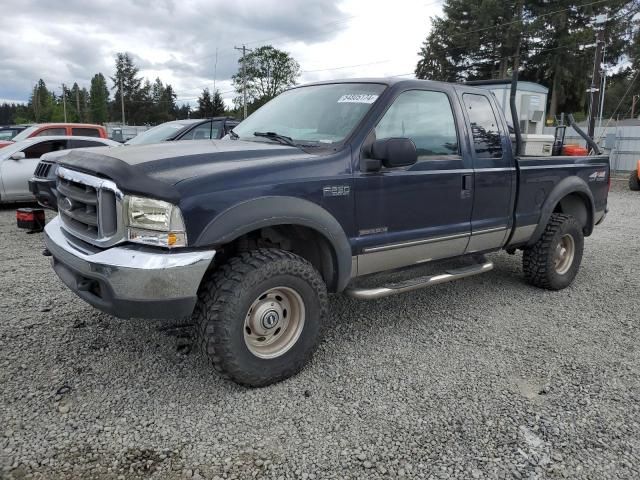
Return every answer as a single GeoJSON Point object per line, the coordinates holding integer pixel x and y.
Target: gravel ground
{"type": "Point", "coordinates": [484, 378]}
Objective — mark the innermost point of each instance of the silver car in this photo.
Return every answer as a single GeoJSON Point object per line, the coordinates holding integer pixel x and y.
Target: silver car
{"type": "Point", "coordinates": [19, 160]}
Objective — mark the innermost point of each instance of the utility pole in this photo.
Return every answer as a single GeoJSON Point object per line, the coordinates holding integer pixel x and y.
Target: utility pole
{"type": "Point", "coordinates": [64, 103]}
{"type": "Point", "coordinates": [122, 101]}
{"type": "Point", "coordinates": [244, 79]}
{"type": "Point", "coordinates": [595, 79]}
{"type": "Point", "coordinates": [633, 105]}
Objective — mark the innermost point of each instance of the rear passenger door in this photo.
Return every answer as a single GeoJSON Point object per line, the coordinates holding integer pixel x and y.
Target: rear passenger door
{"type": "Point", "coordinates": [494, 174]}
{"type": "Point", "coordinates": [408, 215]}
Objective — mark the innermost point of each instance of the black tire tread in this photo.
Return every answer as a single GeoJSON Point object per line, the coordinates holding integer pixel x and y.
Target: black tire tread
{"type": "Point", "coordinates": [222, 291]}
{"type": "Point", "coordinates": [534, 258]}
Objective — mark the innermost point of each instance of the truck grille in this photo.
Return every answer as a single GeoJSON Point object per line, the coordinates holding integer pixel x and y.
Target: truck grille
{"type": "Point", "coordinates": [43, 169]}
{"type": "Point", "coordinates": [90, 207]}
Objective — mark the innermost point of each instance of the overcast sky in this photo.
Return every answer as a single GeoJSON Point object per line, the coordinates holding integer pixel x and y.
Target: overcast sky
{"type": "Point", "coordinates": [63, 42]}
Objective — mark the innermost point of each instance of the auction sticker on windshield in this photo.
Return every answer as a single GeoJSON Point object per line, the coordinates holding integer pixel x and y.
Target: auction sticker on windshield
{"type": "Point", "coordinates": [358, 98]}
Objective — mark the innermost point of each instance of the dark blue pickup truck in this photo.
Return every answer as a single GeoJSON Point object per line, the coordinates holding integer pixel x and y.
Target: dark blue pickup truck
{"type": "Point", "coordinates": [323, 189]}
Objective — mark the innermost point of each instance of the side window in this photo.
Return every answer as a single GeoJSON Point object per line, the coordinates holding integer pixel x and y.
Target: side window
{"type": "Point", "coordinates": [39, 149]}
{"type": "Point", "coordinates": [484, 126]}
{"type": "Point", "coordinates": [205, 131]}
{"type": "Point", "coordinates": [85, 143]}
{"type": "Point", "coordinates": [85, 132]}
{"type": "Point", "coordinates": [51, 131]}
{"type": "Point", "coordinates": [426, 118]}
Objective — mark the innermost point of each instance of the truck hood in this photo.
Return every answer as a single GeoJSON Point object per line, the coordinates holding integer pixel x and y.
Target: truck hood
{"type": "Point", "coordinates": [155, 169]}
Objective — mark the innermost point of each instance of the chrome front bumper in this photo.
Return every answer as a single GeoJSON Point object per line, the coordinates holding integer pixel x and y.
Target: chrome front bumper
{"type": "Point", "coordinates": [128, 281]}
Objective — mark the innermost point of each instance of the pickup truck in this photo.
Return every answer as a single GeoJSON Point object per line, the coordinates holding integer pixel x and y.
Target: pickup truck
{"type": "Point", "coordinates": [323, 189]}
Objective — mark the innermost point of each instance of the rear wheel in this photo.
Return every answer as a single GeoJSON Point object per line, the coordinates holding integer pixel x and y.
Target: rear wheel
{"type": "Point", "coordinates": [634, 182]}
{"type": "Point", "coordinates": [554, 260]}
{"type": "Point", "coordinates": [259, 316]}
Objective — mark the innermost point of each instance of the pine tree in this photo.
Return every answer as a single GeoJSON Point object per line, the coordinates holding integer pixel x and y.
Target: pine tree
{"type": "Point", "coordinates": [126, 74]}
{"type": "Point", "coordinates": [205, 105]}
{"type": "Point", "coordinates": [217, 105]}
{"type": "Point", "coordinates": [99, 99]}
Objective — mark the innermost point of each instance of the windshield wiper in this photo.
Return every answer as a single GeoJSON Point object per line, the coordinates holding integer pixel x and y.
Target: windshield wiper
{"type": "Point", "coordinates": [233, 134]}
{"type": "Point", "coordinates": [277, 137]}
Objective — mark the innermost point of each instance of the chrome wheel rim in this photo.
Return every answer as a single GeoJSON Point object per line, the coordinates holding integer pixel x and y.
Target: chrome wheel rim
{"type": "Point", "coordinates": [565, 251]}
{"type": "Point", "coordinates": [274, 322]}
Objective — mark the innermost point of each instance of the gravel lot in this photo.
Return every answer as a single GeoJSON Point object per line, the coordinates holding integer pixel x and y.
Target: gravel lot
{"type": "Point", "coordinates": [484, 378]}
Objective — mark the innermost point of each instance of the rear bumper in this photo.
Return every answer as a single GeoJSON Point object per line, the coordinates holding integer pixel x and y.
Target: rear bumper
{"type": "Point", "coordinates": [45, 192]}
{"type": "Point", "coordinates": [128, 281]}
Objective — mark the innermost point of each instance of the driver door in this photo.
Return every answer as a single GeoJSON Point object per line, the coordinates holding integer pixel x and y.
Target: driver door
{"type": "Point", "coordinates": [409, 215]}
{"type": "Point", "coordinates": [16, 173]}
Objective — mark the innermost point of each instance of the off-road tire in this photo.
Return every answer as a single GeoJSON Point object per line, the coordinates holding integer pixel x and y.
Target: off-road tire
{"type": "Point", "coordinates": [634, 182]}
{"type": "Point", "coordinates": [225, 298]}
{"type": "Point", "coordinates": [538, 260]}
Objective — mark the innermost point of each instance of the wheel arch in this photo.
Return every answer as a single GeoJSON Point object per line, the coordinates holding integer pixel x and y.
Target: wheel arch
{"type": "Point", "coordinates": [316, 234]}
{"type": "Point", "coordinates": [571, 196]}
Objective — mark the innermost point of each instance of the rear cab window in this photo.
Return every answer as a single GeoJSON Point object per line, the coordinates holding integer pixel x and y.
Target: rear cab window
{"type": "Point", "coordinates": [487, 137]}
{"type": "Point", "coordinates": [85, 132]}
{"type": "Point", "coordinates": [51, 131]}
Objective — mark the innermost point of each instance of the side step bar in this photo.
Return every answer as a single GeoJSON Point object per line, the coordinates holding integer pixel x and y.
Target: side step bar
{"type": "Point", "coordinates": [421, 282]}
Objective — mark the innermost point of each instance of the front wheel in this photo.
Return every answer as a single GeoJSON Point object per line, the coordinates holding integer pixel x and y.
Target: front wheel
{"type": "Point", "coordinates": [554, 260]}
{"type": "Point", "coordinates": [259, 316]}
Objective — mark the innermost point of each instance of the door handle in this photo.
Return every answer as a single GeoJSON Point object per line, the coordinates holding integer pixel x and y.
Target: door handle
{"type": "Point", "coordinates": [467, 182]}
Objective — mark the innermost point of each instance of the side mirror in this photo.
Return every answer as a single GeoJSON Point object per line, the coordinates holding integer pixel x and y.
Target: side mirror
{"type": "Point", "coordinates": [17, 156]}
{"type": "Point", "coordinates": [395, 152]}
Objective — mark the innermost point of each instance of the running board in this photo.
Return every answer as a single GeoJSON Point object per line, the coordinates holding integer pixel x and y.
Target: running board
{"type": "Point", "coordinates": [420, 282]}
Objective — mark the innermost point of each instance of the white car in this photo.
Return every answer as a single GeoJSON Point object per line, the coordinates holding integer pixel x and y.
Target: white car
{"type": "Point", "coordinates": [19, 160]}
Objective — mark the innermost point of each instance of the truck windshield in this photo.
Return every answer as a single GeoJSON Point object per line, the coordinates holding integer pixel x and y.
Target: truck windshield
{"type": "Point", "coordinates": [317, 114]}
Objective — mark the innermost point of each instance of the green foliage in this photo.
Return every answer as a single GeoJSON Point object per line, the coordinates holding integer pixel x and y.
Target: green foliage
{"type": "Point", "coordinates": [268, 72]}
{"type": "Point", "coordinates": [99, 99]}
{"type": "Point", "coordinates": [473, 40]}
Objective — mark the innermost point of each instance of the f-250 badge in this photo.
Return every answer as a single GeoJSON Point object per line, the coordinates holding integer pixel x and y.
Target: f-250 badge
{"type": "Point", "coordinates": [336, 190]}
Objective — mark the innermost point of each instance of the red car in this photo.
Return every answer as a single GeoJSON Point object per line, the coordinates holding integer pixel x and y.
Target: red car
{"type": "Point", "coordinates": [62, 129]}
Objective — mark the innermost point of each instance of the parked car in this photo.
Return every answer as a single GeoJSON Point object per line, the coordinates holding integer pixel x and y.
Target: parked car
{"type": "Point", "coordinates": [18, 162]}
{"type": "Point", "coordinates": [58, 129]}
{"type": "Point", "coordinates": [634, 178]}
{"type": "Point", "coordinates": [322, 187]}
{"type": "Point", "coordinates": [43, 182]}
{"type": "Point", "coordinates": [201, 129]}
{"type": "Point", "coordinates": [9, 131]}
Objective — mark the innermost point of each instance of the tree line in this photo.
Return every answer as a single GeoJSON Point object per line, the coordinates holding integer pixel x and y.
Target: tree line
{"type": "Point", "coordinates": [268, 72]}
{"type": "Point", "coordinates": [553, 42]}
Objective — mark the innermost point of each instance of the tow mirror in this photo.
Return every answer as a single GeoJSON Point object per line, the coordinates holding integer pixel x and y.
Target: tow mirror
{"type": "Point", "coordinates": [395, 152]}
{"type": "Point", "coordinates": [17, 156]}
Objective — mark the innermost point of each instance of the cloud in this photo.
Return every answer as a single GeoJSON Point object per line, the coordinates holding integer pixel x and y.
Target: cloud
{"type": "Point", "coordinates": [63, 42]}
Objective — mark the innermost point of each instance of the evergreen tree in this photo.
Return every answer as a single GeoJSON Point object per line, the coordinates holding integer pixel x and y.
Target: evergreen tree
{"type": "Point", "coordinates": [42, 103]}
{"type": "Point", "coordinates": [99, 99]}
{"type": "Point", "coordinates": [126, 75]}
{"type": "Point", "coordinates": [217, 105]}
{"type": "Point", "coordinates": [474, 40]}
{"type": "Point", "coordinates": [205, 105]}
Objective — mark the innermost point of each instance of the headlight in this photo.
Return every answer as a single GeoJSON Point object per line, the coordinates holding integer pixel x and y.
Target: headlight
{"type": "Point", "coordinates": [154, 222]}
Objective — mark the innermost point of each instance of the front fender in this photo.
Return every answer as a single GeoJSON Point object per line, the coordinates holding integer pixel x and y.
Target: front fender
{"type": "Point", "coordinates": [565, 187]}
{"type": "Point", "coordinates": [264, 212]}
